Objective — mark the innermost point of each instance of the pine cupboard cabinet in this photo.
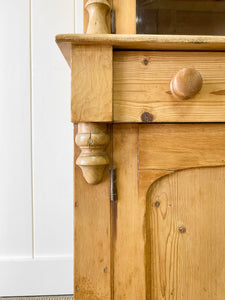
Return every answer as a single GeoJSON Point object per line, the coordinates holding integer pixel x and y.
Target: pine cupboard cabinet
{"type": "Point", "coordinates": [149, 165]}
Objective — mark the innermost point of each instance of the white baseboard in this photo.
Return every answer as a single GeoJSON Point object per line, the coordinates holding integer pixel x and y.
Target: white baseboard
{"type": "Point", "coordinates": [42, 276]}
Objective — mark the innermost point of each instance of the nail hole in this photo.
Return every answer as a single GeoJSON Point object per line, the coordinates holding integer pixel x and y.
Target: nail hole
{"type": "Point", "coordinates": [157, 204]}
{"type": "Point", "coordinates": [145, 61]}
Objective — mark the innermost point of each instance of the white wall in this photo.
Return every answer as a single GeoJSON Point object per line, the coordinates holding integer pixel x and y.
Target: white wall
{"type": "Point", "coordinates": [36, 148]}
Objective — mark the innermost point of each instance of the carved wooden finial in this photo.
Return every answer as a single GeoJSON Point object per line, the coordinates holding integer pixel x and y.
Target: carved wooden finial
{"type": "Point", "coordinates": [92, 138]}
{"type": "Point", "coordinates": [98, 11]}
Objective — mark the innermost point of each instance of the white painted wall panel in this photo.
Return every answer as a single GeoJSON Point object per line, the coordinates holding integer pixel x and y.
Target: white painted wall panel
{"type": "Point", "coordinates": [35, 110]}
{"type": "Point", "coordinates": [36, 277]}
{"type": "Point", "coordinates": [52, 130]}
{"type": "Point", "coordinates": [15, 145]}
{"type": "Point", "coordinates": [79, 16]}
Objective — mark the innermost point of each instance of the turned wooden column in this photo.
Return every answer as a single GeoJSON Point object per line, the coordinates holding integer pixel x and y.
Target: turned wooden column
{"type": "Point", "coordinates": [91, 109]}
{"type": "Point", "coordinates": [92, 95]}
{"type": "Point", "coordinates": [98, 11]}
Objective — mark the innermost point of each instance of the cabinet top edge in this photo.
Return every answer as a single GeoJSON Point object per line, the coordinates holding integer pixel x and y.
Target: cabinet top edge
{"type": "Point", "coordinates": [146, 41]}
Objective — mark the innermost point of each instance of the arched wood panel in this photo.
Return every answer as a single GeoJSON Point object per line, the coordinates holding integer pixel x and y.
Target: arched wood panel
{"type": "Point", "coordinates": [185, 242]}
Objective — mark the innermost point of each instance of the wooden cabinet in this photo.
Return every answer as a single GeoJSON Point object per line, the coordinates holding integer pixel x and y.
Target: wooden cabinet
{"type": "Point", "coordinates": [154, 229]}
{"type": "Point", "coordinates": [169, 240]}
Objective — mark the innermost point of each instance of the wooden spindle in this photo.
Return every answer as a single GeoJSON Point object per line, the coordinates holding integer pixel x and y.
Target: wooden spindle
{"type": "Point", "coordinates": [98, 11]}
{"type": "Point", "coordinates": [92, 139]}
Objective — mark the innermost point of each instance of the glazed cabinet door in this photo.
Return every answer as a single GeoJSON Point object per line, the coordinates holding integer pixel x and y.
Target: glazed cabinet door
{"type": "Point", "coordinates": [168, 233]}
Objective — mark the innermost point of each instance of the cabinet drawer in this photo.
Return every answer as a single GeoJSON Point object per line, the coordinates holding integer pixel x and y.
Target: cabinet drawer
{"type": "Point", "coordinates": [141, 87]}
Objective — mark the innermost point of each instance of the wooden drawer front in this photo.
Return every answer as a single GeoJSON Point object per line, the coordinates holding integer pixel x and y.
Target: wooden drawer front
{"type": "Point", "coordinates": [181, 146]}
{"type": "Point", "coordinates": [142, 84]}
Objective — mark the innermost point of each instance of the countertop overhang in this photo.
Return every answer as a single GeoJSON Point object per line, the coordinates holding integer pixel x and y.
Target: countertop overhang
{"type": "Point", "coordinates": [141, 42]}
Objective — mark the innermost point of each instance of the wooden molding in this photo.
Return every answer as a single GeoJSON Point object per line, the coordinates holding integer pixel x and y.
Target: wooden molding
{"type": "Point", "coordinates": [140, 42]}
{"type": "Point", "coordinates": [92, 139]}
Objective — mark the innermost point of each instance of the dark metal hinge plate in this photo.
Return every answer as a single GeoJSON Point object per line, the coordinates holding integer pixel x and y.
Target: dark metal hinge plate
{"type": "Point", "coordinates": [113, 185]}
{"type": "Point", "coordinates": [113, 21]}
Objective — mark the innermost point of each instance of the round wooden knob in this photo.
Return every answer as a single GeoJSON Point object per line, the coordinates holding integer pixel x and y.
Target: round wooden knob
{"type": "Point", "coordinates": [186, 84]}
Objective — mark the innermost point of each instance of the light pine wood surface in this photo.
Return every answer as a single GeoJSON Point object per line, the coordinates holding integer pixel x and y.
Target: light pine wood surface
{"type": "Point", "coordinates": [142, 84]}
{"type": "Point", "coordinates": [91, 91]}
{"type": "Point", "coordinates": [185, 236]}
{"type": "Point", "coordinates": [180, 146]}
{"type": "Point", "coordinates": [125, 11]}
{"type": "Point", "coordinates": [86, 15]}
{"type": "Point", "coordinates": [147, 41]}
{"type": "Point", "coordinates": [91, 235]}
{"type": "Point", "coordinates": [138, 275]}
{"type": "Point", "coordinates": [98, 11]}
{"type": "Point", "coordinates": [92, 139]}
{"type": "Point", "coordinates": [139, 251]}
{"type": "Point", "coordinates": [129, 273]}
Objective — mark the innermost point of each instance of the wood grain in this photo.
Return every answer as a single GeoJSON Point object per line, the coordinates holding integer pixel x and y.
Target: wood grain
{"type": "Point", "coordinates": [66, 49]}
{"type": "Point", "coordinates": [92, 236]}
{"type": "Point", "coordinates": [129, 273]}
{"type": "Point", "coordinates": [125, 16]}
{"type": "Point", "coordinates": [188, 263]}
{"type": "Point", "coordinates": [147, 41]}
{"type": "Point", "coordinates": [91, 84]}
{"type": "Point", "coordinates": [146, 179]}
{"type": "Point", "coordinates": [140, 42]}
{"type": "Point", "coordinates": [142, 84]}
{"type": "Point", "coordinates": [179, 146]}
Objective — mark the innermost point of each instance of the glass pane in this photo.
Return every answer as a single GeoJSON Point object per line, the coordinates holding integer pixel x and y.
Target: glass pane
{"type": "Point", "coordinates": [196, 17]}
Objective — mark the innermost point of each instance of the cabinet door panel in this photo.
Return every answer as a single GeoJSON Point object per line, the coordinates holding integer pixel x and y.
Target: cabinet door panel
{"type": "Point", "coordinates": [151, 258]}
{"type": "Point", "coordinates": [185, 250]}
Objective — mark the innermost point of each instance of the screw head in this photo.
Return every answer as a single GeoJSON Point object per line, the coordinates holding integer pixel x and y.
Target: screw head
{"type": "Point", "coordinates": [76, 204]}
{"type": "Point", "coordinates": [157, 204]}
{"type": "Point", "coordinates": [105, 270]}
{"type": "Point", "coordinates": [182, 229]}
{"type": "Point", "coordinates": [77, 288]}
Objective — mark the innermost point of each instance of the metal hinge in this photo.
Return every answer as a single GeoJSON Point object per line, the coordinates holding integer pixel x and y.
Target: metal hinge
{"type": "Point", "coordinates": [113, 186]}
{"type": "Point", "coordinates": [113, 21]}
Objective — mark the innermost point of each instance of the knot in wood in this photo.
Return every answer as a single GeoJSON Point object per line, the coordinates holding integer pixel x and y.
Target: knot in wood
{"type": "Point", "coordinates": [146, 117]}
